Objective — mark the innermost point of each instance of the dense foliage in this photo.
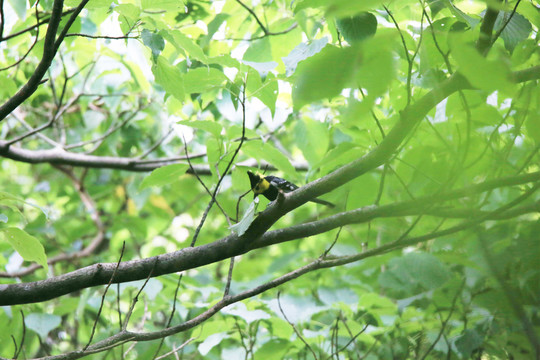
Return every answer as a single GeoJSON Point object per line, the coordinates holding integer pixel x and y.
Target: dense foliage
{"type": "Point", "coordinates": [127, 128]}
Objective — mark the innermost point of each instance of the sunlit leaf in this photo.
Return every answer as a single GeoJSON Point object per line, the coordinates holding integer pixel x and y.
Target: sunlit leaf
{"type": "Point", "coordinates": [164, 175]}
{"type": "Point", "coordinates": [26, 245]}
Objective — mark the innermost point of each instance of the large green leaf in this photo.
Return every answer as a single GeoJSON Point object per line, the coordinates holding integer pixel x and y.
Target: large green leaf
{"type": "Point", "coordinates": [267, 152]}
{"type": "Point", "coordinates": [211, 126]}
{"type": "Point", "coordinates": [339, 8]}
{"type": "Point", "coordinates": [200, 80]}
{"type": "Point", "coordinates": [169, 77]}
{"type": "Point", "coordinates": [357, 28]}
{"type": "Point", "coordinates": [26, 245]}
{"type": "Point", "coordinates": [187, 45]}
{"type": "Point", "coordinates": [164, 175]}
{"type": "Point", "coordinates": [482, 73]}
{"type": "Point", "coordinates": [154, 41]}
{"type": "Point", "coordinates": [517, 28]}
{"type": "Point", "coordinates": [325, 74]}
{"type": "Point", "coordinates": [414, 273]}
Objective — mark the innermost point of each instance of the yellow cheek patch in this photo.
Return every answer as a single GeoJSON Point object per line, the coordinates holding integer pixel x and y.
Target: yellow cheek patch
{"type": "Point", "coordinates": [261, 187]}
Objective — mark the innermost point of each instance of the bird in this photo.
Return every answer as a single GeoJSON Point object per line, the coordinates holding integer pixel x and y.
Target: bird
{"type": "Point", "coordinates": [270, 186]}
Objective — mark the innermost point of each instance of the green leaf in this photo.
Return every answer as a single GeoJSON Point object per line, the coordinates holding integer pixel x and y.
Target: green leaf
{"type": "Point", "coordinates": [154, 41]}
{"type": "Point", "coordinates": [265, 151]}
{"type": "Point", "coordinates": [303, 51]}
{"type": "Point", "coordinates": [200, 80]}
{"type": "Point", "coordinates": [259, 51]}
{"type": "Point", "coordinates": [378, 67]}
{"type": "Point", "coordinates": [469, 341]}
{"type": "Point", "coordinates": [489, 75]}
{"type": "Point", "coordinates": [357, 28]}
{"type": "Point", "coordinates": [309, 132]}
{"type": "Point", "coordinates": [517, 29]}
{"type": "Point", "coordinates": [7, 198]}
{"type": "Point", "coordinates": [275, 349]}
{"type": "Point", "coordinates": [170, 5]}
{"type": "Point", "coordinates": [414, 273]}
{"type": "Point", "coordinates": [267, 92]}
{"type": "Point", "coordinates": [169, 77]}
{"type": "Point", "coordinates": [164, 175]}
{"type": "Point", "coordinates": [532, 126]}
{"type": "Point", "coordinates": [211, 126]}
{"type": "Point", "coordinates": [241, 227]}
{"type": "Point", "coordinates": [26, 245]}
{"type": "Point", "coordinates": [130, 11]}
{"type": "Point", "coordinates": [42, 324]}
{"type": "Point", "coordinates": [339, 8]}
{"type": "Point", "coordinates": [184, 43]}
{"type": "Point", "coordinates": [324, 75]}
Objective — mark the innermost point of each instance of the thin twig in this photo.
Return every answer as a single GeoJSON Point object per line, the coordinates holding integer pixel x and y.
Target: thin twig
{"type": "Point", "coordinates": [294, 328]}
{"type": "Point", "coordinates": [156, 145]}
{"type": "Point", "coordinates": [229, 278]}
{"type": "Point", "coordinates": [498, 33]}
{"type": "Point", "coordinates": [171, 315]}
{"type": "Point", "coordinates": [175, 350]}
{"type": "Point", "coordinates": [31, 46]}
{"type": "Point", "coordinates": [103, 297]}
{"type": "Point", "coordinates": [136, 298]}
{"type": "Point", "coordinates": [18, 352]}
{"type": "Point", "coordinates": [199, 227]}
{"type": "Point", "coordinates": [102, 36]}
{"type": "Point", "coordinates": [187, 157]}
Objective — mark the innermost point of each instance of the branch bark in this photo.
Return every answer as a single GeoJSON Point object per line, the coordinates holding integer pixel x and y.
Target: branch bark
{"type": "Point", "coordinates": [50, 47]}
{"type": "Point", "coordinates": [189, 258]}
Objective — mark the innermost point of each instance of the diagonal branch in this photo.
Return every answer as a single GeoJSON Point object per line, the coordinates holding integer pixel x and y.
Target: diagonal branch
{"type": "Point", "coordinates": [50, 47]}
{"type": "Point", "coordinates": [232, 245]}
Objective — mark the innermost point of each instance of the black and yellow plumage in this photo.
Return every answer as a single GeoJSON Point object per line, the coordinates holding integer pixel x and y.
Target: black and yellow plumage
{"type": "Point", "coordinates": [270, 186]}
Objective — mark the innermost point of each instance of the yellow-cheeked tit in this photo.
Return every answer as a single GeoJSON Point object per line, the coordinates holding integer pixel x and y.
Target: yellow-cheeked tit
{"type": "Point", "coordinates": [270, 186]}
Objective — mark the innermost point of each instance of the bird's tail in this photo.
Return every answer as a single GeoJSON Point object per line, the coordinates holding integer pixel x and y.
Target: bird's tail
{"type": "Point", "coordinates": [323, 202]}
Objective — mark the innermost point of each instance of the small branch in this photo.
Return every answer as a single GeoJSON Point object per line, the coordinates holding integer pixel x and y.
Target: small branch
{"type": "Point", "coordinates": [263, 28]}
{"type": "Point", "coordinates": [229, 278]}
{"type": "Point", "coordinates": [156, 145]}
{"type": "Point", "coordinates": [486, 29]}
{"type": "Point", "coordinates": [203, 184]}
{"type": "Point", "coordinates": [49, 51]}
{"type": "Point", "coordinates": [189, 258]}
{"type": "Point", "coordinates": [31, 46]}
{"type": "Point", "coordinates": [18, 351]}
{"type": "Point", "coordinates": [136, 298]}
{"type": "Point", "coordinates": [30, 28]}
{"type": "Point", "coordinates": [444, 322]}
{"type": "Point", "coordinates": [35, 131]}
{"type": "Point", "coordinates": [2, 24]}
{"type": "Point", "coordinates": [199, 227]}
{"type": "Point", "coordinates": [499, 32]}
{"type": "Point", "coordinates": [175, 349]}
{"type": "Point", "coordinates": [102, 36]}
{"type": "Point", "coordinates": [171, 315]}
{"type": "Point", "coordinates": [109, 131]}
{"type": "Point", "coordinates": [103, 296]}
{"type": "Point", "coordinates": [295, 329]}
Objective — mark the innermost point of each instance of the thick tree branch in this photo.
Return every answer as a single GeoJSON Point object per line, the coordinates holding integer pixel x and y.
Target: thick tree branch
{"type": "Point", "coordinates": [59, 156]}
{"type": "Point", "coordinates": [486, 29]}
{"type": "Point", "coordinates": [48, 55]}
{"type": "Point", "coordinates": [50, 47]}
{"type": "Point", "coordinates": [189, 258]}
{"type": "Point", "coordinates": [322, 262]}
